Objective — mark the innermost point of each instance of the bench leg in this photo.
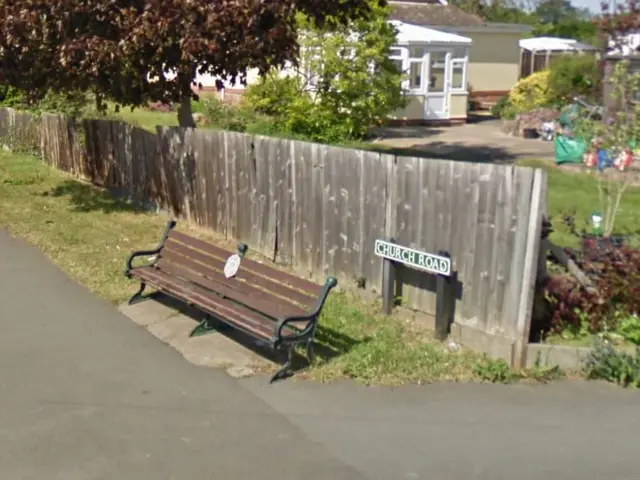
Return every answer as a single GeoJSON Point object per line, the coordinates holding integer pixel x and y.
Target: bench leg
{"type": "Point", "coordinates": [202, 327]}
{"type": "Point", "coordinates": [285, 371]}
{"type": "Point", "coordinates": [310, 353]}
{"type": "Point", "coordinates": [138, 295]}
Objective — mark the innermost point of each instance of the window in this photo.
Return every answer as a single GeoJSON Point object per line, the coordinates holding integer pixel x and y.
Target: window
{"type": "Point", "coordinates": [416, 52]}
{"type": "Point", "coordinates": [459, 53]}
{"type": "Point", "coordinates": [398, 64]}
{"type": "Point", "coordinates": [395, 52]}
{"type": "Point", "coordinates": [458, 75]}
{"type": "Point", "coordinates": [437, 63]}
{"type": "Point", "coordinates": [415, 75]}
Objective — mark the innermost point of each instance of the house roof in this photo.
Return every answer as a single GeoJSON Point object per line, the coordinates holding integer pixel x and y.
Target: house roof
{"type": "Point", "coordinates": [412, 34]}
{"type": "Point", "coordinates": [554, 44]}
{"type": "Point", "coordinates": [427, 13]}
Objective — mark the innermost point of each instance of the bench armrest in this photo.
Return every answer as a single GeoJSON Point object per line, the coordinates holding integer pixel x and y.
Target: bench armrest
{"type": "Point", "coordinates": [139, 253]}
{"type": "Point", "coordinates": [311, 318]}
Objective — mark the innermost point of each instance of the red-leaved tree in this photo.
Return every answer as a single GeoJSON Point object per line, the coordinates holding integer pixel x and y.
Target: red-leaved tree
{"type": "Point", "coordinates": [615, 24]}
{"type": "Point", "coordinates": [122, 49]}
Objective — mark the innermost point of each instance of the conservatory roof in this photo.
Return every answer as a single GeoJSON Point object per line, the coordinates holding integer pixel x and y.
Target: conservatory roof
{"type": "Point", "coordinates": [414, 34]}
{"type": "Point", "coordinates": [555, 44]}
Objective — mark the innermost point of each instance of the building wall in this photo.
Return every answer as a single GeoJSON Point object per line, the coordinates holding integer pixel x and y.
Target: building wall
{"type": "Point", "coordinates": [494, 62]}
{"type": "Point", "coordinates": [413, 111]}
{"type": "Point", "coordinates": [458, 107]}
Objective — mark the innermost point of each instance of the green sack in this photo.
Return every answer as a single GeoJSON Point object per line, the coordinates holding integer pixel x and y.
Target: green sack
{"type": "Point", "coordinates": [569, 150]}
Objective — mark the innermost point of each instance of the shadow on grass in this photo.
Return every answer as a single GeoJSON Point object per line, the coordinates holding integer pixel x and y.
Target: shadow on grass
{"type": "Point", "coordinates": [88, 198]}
{"type": "Point", "coordinates": [328, 343]}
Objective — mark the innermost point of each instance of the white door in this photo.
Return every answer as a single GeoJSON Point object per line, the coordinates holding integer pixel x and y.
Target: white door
{"type": "Point", "coordinates": [438, 84]}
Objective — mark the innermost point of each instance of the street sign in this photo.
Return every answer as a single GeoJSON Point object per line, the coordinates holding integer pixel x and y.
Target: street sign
{"type": "Point", "coordinates": [436, 264]}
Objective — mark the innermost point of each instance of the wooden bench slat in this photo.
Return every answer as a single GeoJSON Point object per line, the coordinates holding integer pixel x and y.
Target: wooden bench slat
{"type": "Point", "coordinates": [245, 294]}
{"type": "Point", "coordinates": [214, 265]}
{"type": "Point", "coordinates": [267, 272]}
{"type": "Point", "coordinates": [222, 309]}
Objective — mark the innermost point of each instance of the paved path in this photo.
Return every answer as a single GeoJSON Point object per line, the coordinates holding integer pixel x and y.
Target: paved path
{"type": "Point", "coordinates": [85, 394]}
{"type": "Point", "coordinates": [481, 142]}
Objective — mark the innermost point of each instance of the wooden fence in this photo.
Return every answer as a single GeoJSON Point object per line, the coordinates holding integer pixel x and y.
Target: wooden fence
{"type": "Point", "coordinates": [320, 208]}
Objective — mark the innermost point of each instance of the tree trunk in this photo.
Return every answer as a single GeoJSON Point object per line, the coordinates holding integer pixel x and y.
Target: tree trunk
{"type": "Point", "coordinates": [185, 115]}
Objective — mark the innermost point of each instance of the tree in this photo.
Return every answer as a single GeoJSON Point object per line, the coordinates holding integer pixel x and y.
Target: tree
{"type": "Point", "coordinates": [615, 25]}
{"type": "Point", "coordinates": [555, 11]}
{"type": "Point", "coordinates": [122, 49]}
{"type": "Point", "coordinates": [345, 82]}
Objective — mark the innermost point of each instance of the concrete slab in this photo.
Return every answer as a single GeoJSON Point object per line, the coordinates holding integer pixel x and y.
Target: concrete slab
{"type": "Point", "coordinates": [171, 323]}
{"type": "Point", "coordinates": [482, 142]}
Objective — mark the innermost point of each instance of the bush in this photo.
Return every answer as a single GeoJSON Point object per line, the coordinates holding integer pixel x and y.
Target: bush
{"type": "Point", "coordinates": [531, 92]}
{"type": "Point", "coordinates": [572, 75]}
{"type": "Point", "coordinates": [274, 94]}
{"type": "Point", "coordinates": [615, 273]}
{"type": "Point", "coordinates": [11, 97]}
{"type": "Point", "coordinates": [73, 104]}
{"type": "Point", "coordinates": [293, 112]}
{"type": "Point", "coordinates": [346, 83]}
{"type": "Point", "coordinates": [503, 109]}
{"type": "Point", "coordinates": [605, 363]}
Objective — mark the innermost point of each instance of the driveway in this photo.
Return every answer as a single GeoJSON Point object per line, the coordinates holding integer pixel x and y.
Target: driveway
{"type": "Point", "coordinates": [481, 141]}
{"type": "Point", "coordinates": [86, 394]}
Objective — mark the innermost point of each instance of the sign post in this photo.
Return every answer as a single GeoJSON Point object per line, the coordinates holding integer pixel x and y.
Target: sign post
{"type": "Point", "coordinates": [395, 255]}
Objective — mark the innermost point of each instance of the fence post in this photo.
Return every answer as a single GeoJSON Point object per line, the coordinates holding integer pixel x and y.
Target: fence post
{"type": "Point", "coordinates": [444, 299]}
{"type": "Point", "coordinates": [534, 233]}
{"type": "Point", "coordinates": [389, 276]}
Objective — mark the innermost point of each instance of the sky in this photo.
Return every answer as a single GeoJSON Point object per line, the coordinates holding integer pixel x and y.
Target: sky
{"type": "Point", "coordinates": [593, 5]}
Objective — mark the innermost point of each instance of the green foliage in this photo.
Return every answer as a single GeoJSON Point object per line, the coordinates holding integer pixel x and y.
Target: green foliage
{"type": "Point", "coordinates": [13, 98]}
{"type": "Point", "coordinates": [345, 83]}
{"type": "Point", "coordinates": [606, 363]}
{"type": "Point", "coordinates": [503, 108]}
{"type": "Point", "coordinates": [572, 75]}
{"type": "Point", "coordinates": [629, 328]}
{"type": "Point", "coordinates": [72, 104]}
{"type": "Point", "coordinates": [236, 118]}
{"type": "Point", "coordinates": [498, 371]}
{"type": "Point", "coordinates": [580, 29]}
{"type": "Point", "coordinates": [122, 51]}
{"type": "Point", "coordinates": [494, 371]}
{"type": "Point", "coordinates": [530, 92]}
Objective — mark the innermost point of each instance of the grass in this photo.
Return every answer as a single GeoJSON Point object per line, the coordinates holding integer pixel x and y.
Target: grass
{"type": "Point", "coordinates": [576, 193]}
{"type": "Point", "coordinates": [141, 117]}
{"type": "Point", "coordinates": [88, 234]}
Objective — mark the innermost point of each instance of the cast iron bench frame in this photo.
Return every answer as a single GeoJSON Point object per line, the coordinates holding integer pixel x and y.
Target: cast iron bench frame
{"type": "Point", "coordinates": [267, 304]}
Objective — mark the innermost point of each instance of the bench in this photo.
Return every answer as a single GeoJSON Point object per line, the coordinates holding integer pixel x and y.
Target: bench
{"type": "Point", "coordinates": [269, 305]}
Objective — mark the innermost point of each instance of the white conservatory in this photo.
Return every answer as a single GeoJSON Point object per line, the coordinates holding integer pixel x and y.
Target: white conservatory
{"type": "Point", "coordinates": [436, 63]}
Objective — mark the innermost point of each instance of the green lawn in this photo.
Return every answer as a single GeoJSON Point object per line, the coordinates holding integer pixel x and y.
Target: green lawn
{"type": "Point", "coordinates": [140, 117]}
{"type": "Point", "coordinates": [576, 193]}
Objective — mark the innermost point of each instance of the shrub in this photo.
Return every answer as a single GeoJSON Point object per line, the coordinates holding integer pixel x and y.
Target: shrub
{"type": "Point", "coordinates": [72, 104]}
{"type": "Point", "coordinates": [13, 98]}
{"type": "Point", "coordinates": [605, 363]}
{"type": "Point", "coordinates": [615, 273]}
{"type": "Point", "coordinates": [572, 75]}
{"type": "Point", "coordinates": [531, 92]}
{"type": "Point", "coordinates": [346, 83]}
{"type": "Point", "coordinates": [274, 94]}
{"type": "Point", "coordinates": [503, 109]}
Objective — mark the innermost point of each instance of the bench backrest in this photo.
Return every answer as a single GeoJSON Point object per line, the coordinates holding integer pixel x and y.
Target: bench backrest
{"type": "Point", "coordinates": [256, 285]}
